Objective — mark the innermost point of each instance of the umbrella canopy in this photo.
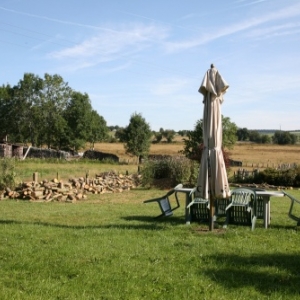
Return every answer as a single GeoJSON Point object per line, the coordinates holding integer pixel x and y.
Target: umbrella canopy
{"type": "Point", "coordinates": [212, 179]}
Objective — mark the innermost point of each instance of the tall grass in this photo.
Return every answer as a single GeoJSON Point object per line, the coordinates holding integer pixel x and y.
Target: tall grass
{"type": "Point", "coordinates": [111, 247]}
{"type": "Point", "coordinates": [52, 168]}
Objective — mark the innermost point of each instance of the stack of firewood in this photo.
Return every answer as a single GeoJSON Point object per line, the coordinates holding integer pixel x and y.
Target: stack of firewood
{"type": "Point", "coordinates": [73, 190]}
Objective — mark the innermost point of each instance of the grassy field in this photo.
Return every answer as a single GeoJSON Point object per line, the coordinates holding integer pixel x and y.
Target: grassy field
{"type": "Point", "coordinates": [67, 169]}
{"type": "Point", "coordinates": [249, 153]}
{"type": "Point", "coordinates": [110, 247]}
{"type": "Point", "coordinates": [252, 155]}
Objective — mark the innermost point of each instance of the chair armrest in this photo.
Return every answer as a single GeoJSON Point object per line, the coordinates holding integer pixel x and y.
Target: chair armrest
{"type": "Point", "coordinates": [293, 202]}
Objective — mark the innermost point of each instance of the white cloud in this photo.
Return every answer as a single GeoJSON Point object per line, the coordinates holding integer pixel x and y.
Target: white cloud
{"type": "Point", "coordinates": [113, 45]}
{"type": "Point", "coordinates": [285, 13]}
{"type": "Point", "coordinates": [278, 30]}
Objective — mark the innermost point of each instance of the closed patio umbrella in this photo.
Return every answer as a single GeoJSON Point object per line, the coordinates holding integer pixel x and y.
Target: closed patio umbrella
{"type": "Point", "coordinates": [212, 180]}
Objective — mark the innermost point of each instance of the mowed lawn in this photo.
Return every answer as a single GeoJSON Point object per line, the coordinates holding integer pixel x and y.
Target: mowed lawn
{"type": "Point", "coordinates": [110, 247]}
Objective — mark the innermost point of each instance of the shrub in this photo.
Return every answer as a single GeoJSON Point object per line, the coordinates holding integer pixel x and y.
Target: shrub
{"type": "Point", "coordinates": [177, 170]}
{"type": "Point", "coordinates": [7, 173]}
{"type": "Point", "coordinates": [289, 177]}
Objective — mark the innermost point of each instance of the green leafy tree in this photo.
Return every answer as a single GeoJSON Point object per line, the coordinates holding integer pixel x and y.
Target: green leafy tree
{"type": "Point", "coordinates": [242, 134]}
{"type": "Point", "coordinates": [137, 136]}
{"type": "Point", "coordinates": [193, 144]}
{"type": "Point", "coordinates": [229, 133]}
{"type": "Point", "coordinates": [120, 135]}
{"type": "Point", "coordinates": [254, 136]}
{"type": "Point", "coordinates": [284, 138]}
{"type": "Point", "coordinates": [266, 139]}
{"type": "Point", "coordinates": [56, 97]}
{"type": "Point", "coordinates": [158, 136]}
{"type": "Point", "coordinates": [78, 115]}
{"type": "Point", "coordinates": [169, 134]}
{"type": "Point", "coordinates": [97, 129]}
{"type": "Point", "coordinates": [5, 111]}
{"type": "Point", "coordinates": [26, 111]}
{"type": "Point", "coordinates": [182, 132]}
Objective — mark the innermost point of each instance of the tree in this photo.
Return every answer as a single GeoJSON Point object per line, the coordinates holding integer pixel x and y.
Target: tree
{"type": "Point", "coordinates": [46, 111]}
{"type": "Point", "coordinates": [254, 136]}
{"type": "Point", "coordinates": [193, 145]}
{"type": "Point", "coordinates": [242, 134]}
{"type": "Point", "coordinates": [56, 98]}
{"type": "Point", "coordinates": [120, 135]}
{"type": "Point", "coordinates": [169, 134]}
{"type": "Point", "coordinates": [5, 110]}
{"type": "Point", "coordinates": [158, 136]}
{"type": "Point", "coordinates": [98, 130]}
{"type": "Point", "coordinates": [265, 139]}
{"type": "Point", "coordinates": [78, 115]}
{"type": "Point", "coordinates": [229, 133]}
{"type": "Point", "coordinates": [137, 136]}
{"type": "Point", "coordinates": [192, 148]}
{"type": "Point", "coordinates": [182, 132]}
{"type": "Point", "coordinates": [26, 111]}
{"type": "Point", "coordinates": [284, 138]}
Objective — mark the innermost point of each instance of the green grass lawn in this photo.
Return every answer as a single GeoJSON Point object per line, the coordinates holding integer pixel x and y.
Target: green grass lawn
{"type": "Point", "coordinates": [110, 247]}
{"type": "Point", "coordinates": [53, 168]}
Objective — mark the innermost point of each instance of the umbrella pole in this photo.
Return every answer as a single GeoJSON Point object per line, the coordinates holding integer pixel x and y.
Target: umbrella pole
{"type": "Point", "coordinates": [211, 197]}
{"type": "Point", "coordinates": [211, 213]}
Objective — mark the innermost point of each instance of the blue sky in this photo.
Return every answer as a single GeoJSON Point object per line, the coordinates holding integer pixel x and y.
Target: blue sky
{"type": "Point", "coordinates": [150, 57]}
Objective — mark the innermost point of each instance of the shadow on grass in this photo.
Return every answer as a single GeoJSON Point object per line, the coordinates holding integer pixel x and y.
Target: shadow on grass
{"type": "Point", "coordinates": [286, 227]}
{"type": "Point", "coordinates": [163, 220]}
{"type": "Point", "coordinates": [267, 273]}
{"type": "Point", "coordinates": [153, 224]}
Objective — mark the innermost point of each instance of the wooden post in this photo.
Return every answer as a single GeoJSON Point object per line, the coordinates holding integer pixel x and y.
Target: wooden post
{"type": "Point", "coordinates": [26, 152]}
{"type": "Point", "coordinates": [35, 177]}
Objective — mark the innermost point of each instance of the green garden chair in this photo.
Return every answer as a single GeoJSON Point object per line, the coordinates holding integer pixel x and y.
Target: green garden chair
{"type": "Point", "coordinates": [294, 211]}
{"type": "Point", "coordinates": [242, 207]}
{"type": "Point", "coordinates": [165, 204]}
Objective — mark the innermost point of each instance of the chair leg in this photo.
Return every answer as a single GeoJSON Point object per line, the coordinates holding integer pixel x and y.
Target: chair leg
{"type": "Point", "coordinates": [227, 219]}
{"type": "Point", "coordinates": [253, 222]}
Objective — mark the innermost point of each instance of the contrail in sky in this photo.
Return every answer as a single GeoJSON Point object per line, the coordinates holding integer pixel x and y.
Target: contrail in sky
{"type": "Point", "coordinates": [56, 20]}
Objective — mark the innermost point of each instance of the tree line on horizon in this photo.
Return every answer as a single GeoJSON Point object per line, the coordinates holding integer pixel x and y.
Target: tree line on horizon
{"type": "Point", "coordinates": [46, 111]}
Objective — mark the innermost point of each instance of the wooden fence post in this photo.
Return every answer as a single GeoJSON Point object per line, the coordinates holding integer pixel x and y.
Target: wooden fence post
{"type": "Point", "coordinates": [35, 177]}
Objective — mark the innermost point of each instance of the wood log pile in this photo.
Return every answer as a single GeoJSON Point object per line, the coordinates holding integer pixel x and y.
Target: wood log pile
{"type": "Point", "coordinates": [73, 190]}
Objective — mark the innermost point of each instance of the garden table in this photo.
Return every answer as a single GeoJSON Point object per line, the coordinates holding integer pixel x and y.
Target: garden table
{"type": "Point", "coordinates": [266, 195]}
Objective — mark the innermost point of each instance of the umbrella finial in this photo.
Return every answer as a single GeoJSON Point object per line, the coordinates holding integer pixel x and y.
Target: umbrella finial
{"type": "Point", "coordinates": [212, 66]}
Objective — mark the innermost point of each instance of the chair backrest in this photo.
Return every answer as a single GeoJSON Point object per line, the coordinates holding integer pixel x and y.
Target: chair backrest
{"type": "Point", "coordinates": [242, 197]}
{"type": "Point", "coordinates": [164, 202]}
{"type": "Point", "coordinates": [165, 207]}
